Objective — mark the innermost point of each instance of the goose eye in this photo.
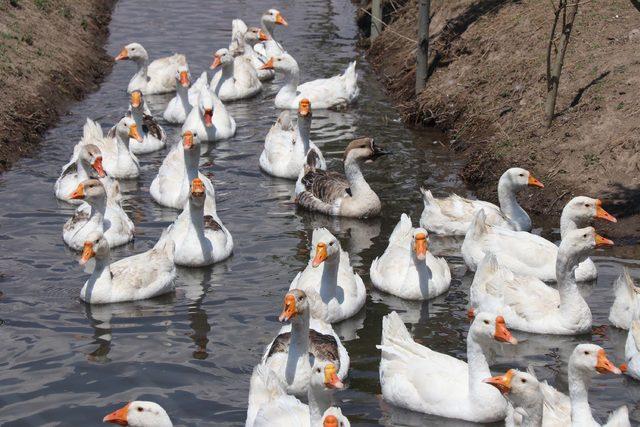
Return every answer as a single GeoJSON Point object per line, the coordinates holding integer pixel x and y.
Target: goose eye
{"type": "Point", "coordinates": [486, 322]}
{"type": "Point", "coordinates": [584, 235]}
{"type": "Point", "coordinates": [586, 352]}
{"type": "Point", "coordinates": [588, 205]}
{"type": "Point", "coordinates": [523, 381]}
{"type": "Point", "coordinates": [140, 409]}
{"type": "Point", "coordinates": [521, 174]}
{"type": "Point", "coordinates": [331, 244]}
{"type": "Point", "coordinates": [318, 370]}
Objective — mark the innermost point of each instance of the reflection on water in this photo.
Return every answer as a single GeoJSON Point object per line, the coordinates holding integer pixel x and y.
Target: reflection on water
{"type": "Point", "coordinates": [65, 363]}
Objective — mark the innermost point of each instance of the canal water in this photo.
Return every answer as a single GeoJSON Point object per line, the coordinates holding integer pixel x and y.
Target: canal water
{"type": "Point", "coordinates": [65, 363]}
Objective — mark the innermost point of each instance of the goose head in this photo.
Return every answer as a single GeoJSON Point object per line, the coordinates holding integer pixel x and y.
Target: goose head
{"type": "Point", "coordinates": [205, 107]}
{"type": "Point", "coordinates": [222, 57]}
{"type": "Point", "coordinates": [583, 209]}
{"type": "Point", "coordinates": [522, 388]}
{"type": "Point", "coordinates": [324, 374]}
{"type": "Point", "coordinates": [254, 35]}
{"type": "Point", "coordinates": [183, 76]}
{"type": "Point", "coordinates": [487, 327]}
{"type": "Point", "coordinates": [133, 51]}
{"type": "Point", "coordinates": [91, 155]}
{"type": "Point", "coordinates": [304, 108]}
{"type": "Point", "coordinates": [518, 178]}
{"type": "Point", "coordinates": [576, 244]}
{"type": "Point", "coordinates": [189, 140]}
{"type": "Point", "coordinates": [325, 247]}
{"type": "Point", "coordinates": [589, 360]}
{"type": "Point", "coordinates": [273, 17]}
{"type": "Point", "coordinates": [295, 304]}
{"type": "Point", "coordinates": [419, 243]}
{"type": "Point", "coordinates": [136, 100]}
{"type": "Point", "coordinates": [140, 414]}
{"type": "Point", "coordinates": [333, 418]}
{"type": "Point", "coordinates": [363, 150]}
{"type": "Point", "coordinates": [282, 63]}
{"type": "Point", "coordinates": [89, 190]}
{"type": "Point", "coordinates": [197, 192]}
{"type": "Point", "coordinates": [127, 128]}
{"type": "Point", "coordinates": [95, 245]}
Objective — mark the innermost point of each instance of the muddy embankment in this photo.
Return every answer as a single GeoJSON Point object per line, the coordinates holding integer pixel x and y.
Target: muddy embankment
{"type": "Point", "coordinates": [487, 91]}
{"type": "Point", "coordinates": [51, 53]}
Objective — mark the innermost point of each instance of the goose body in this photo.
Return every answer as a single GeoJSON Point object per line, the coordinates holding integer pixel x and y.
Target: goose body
{"type": "Point", "coordinates": [334, 92]}
{"type": "Point", "coordinates": [98, 213]}
{"type": "Point", "coordinates": [415, 377]}
{"type": "Point", "coordinates": [632, 350]}
{"type": "Point", "coordinates": [288, 354]}
{"type": "Point", "coordinates": [136, 277]}
{"type": "Point", "coordinates": [153, 136]}
{"type": "Point", "coordinates": [179, 106]}
{"type": "Point", "coordinates": [627, 297]}
{"type": "Point", "coordinates": [330, 275]}
{"type": "Point", "coordinates": [527, 303]}
{"type": "Point", "coordinates": [210, 120]}
{"type": "Point", "coordinates": [287, 147]}
{"type": "Point", "coordinates": [200, 239]}
{"type": "Point", "coordinates": [407, 269]}
{"type": "Point", "coordinates": [151, 77]}
{"type": "Point", "coordinates": [452, 216]}
{"type": "Point", "coordinates": [347, 195]}
{"type": "Point", "coordinates": [237, 78]}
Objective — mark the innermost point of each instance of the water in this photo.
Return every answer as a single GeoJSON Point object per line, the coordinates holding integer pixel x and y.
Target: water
{"type": "Point", "coordinates": [65, 363]}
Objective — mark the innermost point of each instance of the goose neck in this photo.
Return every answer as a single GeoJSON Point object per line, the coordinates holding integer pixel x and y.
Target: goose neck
{"type": "Point", "coordinates": [567, 223]}
{"type": "Point", "coordinates": [84, 170]}
{"type": "Point", "coordinates": [509, 203]}
{"type": "Point", "coordinates": [357, 183]}
{"type": "Point", "coordinates": [579, 394]}
{"type": "Point", "coordinates": [319, 401]}
{"type": "Point", "coordinates": [329, 280]}
{"type": "Point", "coordinates": [478, 366]}
{"type": "Point", "coordinates": [300, 334]}
{"type": "Point", "coordinates": [196, 217]}
{"type": "Point", "coordinates": [302, 134]}
{"type": "Point", "coordinates": [192, 162]}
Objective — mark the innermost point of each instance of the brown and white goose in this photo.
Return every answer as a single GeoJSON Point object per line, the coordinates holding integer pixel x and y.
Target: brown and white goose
{"type": "Point", "coordinates": [347, 194]}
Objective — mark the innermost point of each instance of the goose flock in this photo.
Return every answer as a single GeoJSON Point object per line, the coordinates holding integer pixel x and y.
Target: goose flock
{"type": "Point", "coordinates": [522, 281]}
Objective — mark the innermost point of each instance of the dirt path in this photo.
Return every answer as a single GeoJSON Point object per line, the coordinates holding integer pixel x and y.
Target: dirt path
{"type": "Point", "coordinates": [488, 88]}
{"type": "Point", "coordinates": [51, 53]}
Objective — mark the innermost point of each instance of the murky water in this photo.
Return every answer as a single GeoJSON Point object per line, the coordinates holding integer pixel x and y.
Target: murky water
{"type": "Point", "coordinates": [65, 363]}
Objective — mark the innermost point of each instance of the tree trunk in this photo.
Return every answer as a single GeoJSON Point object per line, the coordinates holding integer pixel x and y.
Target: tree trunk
{"type": "Point", "coordinates": [569, 12]}
{"type": "Point", "coordinates": [376, 19]}
{"type": "Point", "coordinates": [422, 53]}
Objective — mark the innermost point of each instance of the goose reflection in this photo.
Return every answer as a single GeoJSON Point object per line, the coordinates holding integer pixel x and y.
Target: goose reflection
{"type": "Point", "coordinates": [196, 285]}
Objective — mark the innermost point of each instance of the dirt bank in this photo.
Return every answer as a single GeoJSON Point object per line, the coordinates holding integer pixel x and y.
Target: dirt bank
{"type": "Point", "coordinates": [51, 53]}
{"type": "Point", "coordinates": [488, 88]}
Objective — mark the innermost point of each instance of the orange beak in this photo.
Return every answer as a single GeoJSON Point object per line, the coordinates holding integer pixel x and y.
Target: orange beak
{"type": "Point", "coordinates": [602, 241]}
{"type": "Point", "coordinates": [471, 313]}
{"type": "Point", "coordinates": [197, 187]}
{"type": "Point", "coordinates": [79, 193]}
{"type": "Point", "coordinates": [604, 365]}
{"type": "Point", "coordinates": [331, 379]}
{"type": "Point", "coordinates": [184, 79]}
{"type": "Point", "coordinates": [268, 65]}
{"type": "Point", "coordinates": [602, 214]}
{"type": "Point", "coordinates": [330, 421]}
{"type": "Point", "coordinates": [420, 246]}
{"type": "Point", "coordinates": [133, 133]}
{"type": "Point", "coordinates": [280, 20]}
{"type": "Point", "coordinates": [502, 334]}
{"type": "Point", "coordinates": [118, 417]}
{"type": "Point", "coordinates": [321, 255]}
{"type": "Point", "coordinates": [533, 182]}
{"type": "Point", "coordinates": [304, 107]}
{"type": "Point", "coordinates": [122, 55]}
{"type": "Point", "coordinates": [187, 140]}
{"type": "Point", "coordinates": [623, 368]}
{"type": "Point", "coordinates": [263, 36]}
{"type": "Point", "coordinates": [216, 62]}
{"type": "Point", "coordinates": [208, 117]}
{"type": "Point", "coordinates": [289, 309]}
{"type": "Point", "coordinates": [87, 253]}
{"type": "Point", "coordinates": [136, 99]}
{"type": "Point", "coordinates": [502, 383]}
{"type": "Point", "coordinates": [97, 165]}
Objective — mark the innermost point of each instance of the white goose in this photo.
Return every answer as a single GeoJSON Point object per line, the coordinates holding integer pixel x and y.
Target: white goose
{"type": "Point", "coordinates": [151, 78]}
{"type": "Point", "coordinates": [153, 136]}
{"type": "Point", "coordinates": [451, 216]}
{"type": "Point", "coordinates": [329, 274]}
{"type": "Point", "coordinates": [406, 268]}
{"type": "Point", "coordinates": [415, 377]}
{"type": "Point", "coordinates": [140, 414]}
{"type": "Point", "coordinates": [179, 106]}
{"type": "Point", "coordinates": [537, 402]}
{"type": "Point", "coordinates": [269, 403]}
{"type": "Point", "coordinates": [631, 366]}
{"type": "Point", "coordinates": [514, 248]}
{"type": "Point", "coordinates": [200, 239]}
{"type": "Point", "coordinates": [334, 92]}
{"type": "Point", "coordinates": [288, 355]}
{"type": "Point", "coordinates": [627, 297]}
{"type": "Point", "coordinates": [347, 195]}
{"type": "Point", "coordinates": [586, 361]}
{"type": "Point", "coordinates": [270, 47]}
{"type": "Point", "coordinates": [171, 187]}
{"type": "Point", "coordinates": [237, 78]}
{"type": "Point", "coordinates": [287, 151]}
{"type": "Point", "coordinates": [210, 119]}
{"type": "Point", "coordinates": [527, 303]}
{"type": "Point", "coordinates": [134, 278]}
{"type": "Point", "coordinates": [87, 163]}
{"type": "Point", "coordinates": [99, 213]}
{"type": "Point", "coordinates": [243, 40]}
